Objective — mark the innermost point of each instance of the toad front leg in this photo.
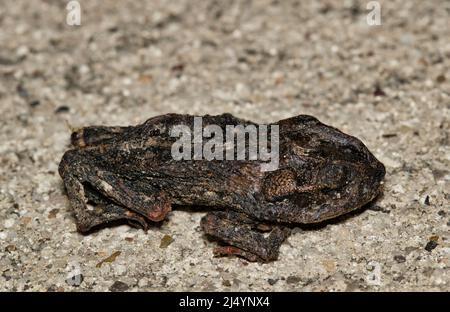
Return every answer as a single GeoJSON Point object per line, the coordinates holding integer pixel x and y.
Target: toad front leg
{"type": "Point", "coordinates": [245, 237]}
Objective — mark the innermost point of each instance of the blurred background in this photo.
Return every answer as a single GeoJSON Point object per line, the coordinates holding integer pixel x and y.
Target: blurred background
{"type": "Point", "coordinates": [127, 61]}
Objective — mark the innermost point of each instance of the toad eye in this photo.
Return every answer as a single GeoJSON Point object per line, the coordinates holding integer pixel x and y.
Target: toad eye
{"type": "Point", "coordinates": [333, 175]}
{"type": "Point", "coordinates": [77, 138]}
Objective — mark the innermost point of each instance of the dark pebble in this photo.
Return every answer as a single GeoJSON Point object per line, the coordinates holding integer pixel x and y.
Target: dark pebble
{"type": "Point", "coordinates": [293, 280]}
{"type": "Point", "coordinates": [325, 9]}
{"type": "Point", "coordinates": [272, 281]}
{"type": "Point", "coordinates": [118, 286]}
{"type": "Point", "coordinates": [355, 9]}
{"type": "Point", "coordinates": [113, 29]}
{"type": "Point", "coordinates": [440, 79]}
{"type": "Point", "coordinates": [62, 109]}
{"type": "Point", "coordinates": [177, 68]}
{"type": "Point", "coordinates": [427, 200]}
{"type": "Point", "coordinates": [6, 275]}
{"type": "Point", "coordinates": [431, 245]}
{"type": "Point", "coordinates": [378, 91]}
{"type": "Point", "coordinates": [23, 93]}
{"type": "Point", "coordinates": [8, 61]}
{"type": "Point", "coordinates": [35, 103]}
{"type": "Point", "coordinates": [442, 213]}
{"type": "Point", "coordinates": [399, 258]}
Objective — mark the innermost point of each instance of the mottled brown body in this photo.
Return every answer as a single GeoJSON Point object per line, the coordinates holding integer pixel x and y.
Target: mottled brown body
{"type": "Point", "coordinates": [115, 173]}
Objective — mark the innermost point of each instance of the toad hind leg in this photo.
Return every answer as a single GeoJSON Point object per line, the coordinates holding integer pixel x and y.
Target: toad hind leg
{"type": "Point", "coordinates": [103, 213]}
{"type": "Point", "coordinates": [153, 204]}
{"type": "Point", "coordinates": [243, 237]}
{"type": "Point", "coordinates": [80, 180]}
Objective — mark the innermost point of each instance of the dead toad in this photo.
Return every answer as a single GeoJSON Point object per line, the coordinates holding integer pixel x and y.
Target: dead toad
{"type": "Point", "coordinates": [116, 173]}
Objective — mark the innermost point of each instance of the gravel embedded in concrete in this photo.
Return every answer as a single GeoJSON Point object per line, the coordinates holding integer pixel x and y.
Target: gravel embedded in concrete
{"type": "Point", "coordinates": [389, 85]}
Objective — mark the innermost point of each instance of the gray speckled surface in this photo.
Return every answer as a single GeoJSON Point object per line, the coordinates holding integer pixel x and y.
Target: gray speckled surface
{"type": "Point", "coordinates": [261, 60]}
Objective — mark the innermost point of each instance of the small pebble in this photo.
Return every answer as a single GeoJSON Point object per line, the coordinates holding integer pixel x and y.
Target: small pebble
{"type": "Point", "coordinates": [35, 103]}
{"type": "Point", "coordinates": [427, 200]}
{"type": "Point", "coordinates": [113, 29]}
{"type": "Point", "coordinates": [166, 241]}
{"type": "Point", "coordinates": [293, 280]}
{"type": "Point", "coordinates": [434, 238]}
{"type": "Point", "coordinates": [22, 51]}
{"type": "Point", "coordinates": [398, 189]}
{"type": "Point", "coordinates": [109, 259]}
{"type": "Point", "coordinates": [441, 79]}
{"type": "Point", "coordinates": [378, 91]}
{"type": "Point", "coordinates": [10, 248]}
{"type": "Point", "coordinates": [431, 245]}
{"type": "Point", "coordinates": [399, 258]}
{"type": "Point", "coordinates": [22, 91]}
{"type": "Point", "coordinates": [52, 214]}
{"type": "Point", "coordinates": [177, 68]}
{"type": "Point", "coordinates": [143, 282]}
{"type": "Point", "coordinates": [84, 69]}
{"type": "Point", "coordinates": [9, 223]}
{"type": "Point", "coordinates": [272, 281]}
{"type": "Point", "coordinates": [120, 269]}
{"type": "Point", "coordinates": [118, 286]}
{"type": "Point", "coordinates": [62, 109]}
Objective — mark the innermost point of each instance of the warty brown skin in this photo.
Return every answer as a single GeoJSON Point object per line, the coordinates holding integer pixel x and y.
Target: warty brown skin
{"type": "Point", "coordinates": [116, 173]}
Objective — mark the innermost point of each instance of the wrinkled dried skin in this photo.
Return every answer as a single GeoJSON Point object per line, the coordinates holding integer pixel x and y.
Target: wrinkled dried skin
{"type": "Point", "coordinates": [117, 173]}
